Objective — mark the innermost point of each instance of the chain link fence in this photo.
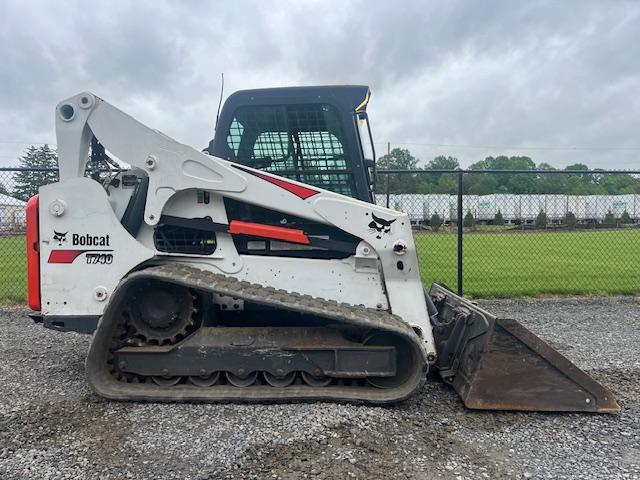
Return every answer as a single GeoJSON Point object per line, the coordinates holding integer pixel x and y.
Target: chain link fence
{"type": "Point", "coordinates": [13, 267]}
{"type": "Point", "coordinates": [520, 233]}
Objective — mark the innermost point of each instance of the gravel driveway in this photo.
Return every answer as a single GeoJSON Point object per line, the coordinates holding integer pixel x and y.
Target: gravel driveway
{"type": "Point", "coordinates": [52, 426]}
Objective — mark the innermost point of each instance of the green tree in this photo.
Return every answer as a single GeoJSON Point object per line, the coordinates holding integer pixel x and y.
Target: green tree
{"type": "Point", "coordinates": [436, 222]}
{"type": "Point", "coordinates": [609, 218]}
{"type": "Point", "coordinates": [570, 220]}
{"type": "Point", "coordinates": [483, 184]}
{"type": "Point", "coordinates": [549, 183]}
{"type": "Point", "coordinates": [468, 221]}
{"type": "Point", "coordinates": [546, 166]}
{"type": "Point", "coordinates": [625, 218]}
{"type": "Point", "coordinates": [503, 162]}
{"type": "Point", "coordinates": [443, 163]}
{"type": "Point", "coordinates": [581, 184]}
{"type": "Point", "coordinates": [28, 181]}
{"type": "Point", "coordinates": [498, 219]}
{"type": "Point", "coordinates": [541, 219]}
{"type": "Point", "coordinates": [620, 184]}
{"type": "Point", "coordinates": [447, 183]}
{"type": "Point", "coordinates": [577, 166]}
{"type": "Point", "coordinates": [439, 182]}
{"type": "Point", "coordinates": [501, 182]}
{"type": "Point", "coordinates": [398, 159]}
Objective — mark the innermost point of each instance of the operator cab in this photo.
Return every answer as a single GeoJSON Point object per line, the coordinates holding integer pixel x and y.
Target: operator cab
{"type": "Point", "coordinates": [316, 135]}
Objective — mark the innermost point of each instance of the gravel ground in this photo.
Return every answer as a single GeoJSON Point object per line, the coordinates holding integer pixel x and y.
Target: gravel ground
{"type": "Point", "coordinates": [52, 426]}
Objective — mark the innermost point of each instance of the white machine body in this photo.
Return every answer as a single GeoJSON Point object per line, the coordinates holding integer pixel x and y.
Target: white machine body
{"type": "Point", "coordinates": [85, 251]}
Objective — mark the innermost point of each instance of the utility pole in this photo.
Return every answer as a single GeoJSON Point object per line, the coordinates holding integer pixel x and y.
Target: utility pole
{"type": "Point", "coordinates": [388, 154]}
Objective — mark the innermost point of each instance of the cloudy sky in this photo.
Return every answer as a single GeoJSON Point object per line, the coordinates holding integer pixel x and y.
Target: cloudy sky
{"type": "Point", "coordinates": [558, 81]}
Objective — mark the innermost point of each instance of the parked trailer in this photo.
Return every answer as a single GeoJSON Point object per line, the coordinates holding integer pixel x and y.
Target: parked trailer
{"type": "Point", "coordinates": [514, 208]}
{"type": "Point", "coordinates": [411, 204]}
{"type": "Point", "coordinates": [596, 207]}
{"type": "Point", "coordinates": [437, 204]}
{"type": "Point", "coordinates": [12, 215]}
{"type": "Point", "coordinates": [509, 206]}
{"type": "Point", "coordinates": [470, 203]}
{"type": "Point", "coordinates": [419, 207]}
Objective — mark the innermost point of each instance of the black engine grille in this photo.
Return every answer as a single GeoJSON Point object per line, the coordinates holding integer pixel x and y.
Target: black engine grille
{"type": "Point", "coordinates": [173, 239]}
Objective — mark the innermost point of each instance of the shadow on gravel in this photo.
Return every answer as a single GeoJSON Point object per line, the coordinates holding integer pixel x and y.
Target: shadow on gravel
{"type": "Point", "coordinates": [434, 436]}
{"type": "Point", "coordinates": [623, 382]}
{"type": "Point", "coordinates": [384, 452]}
{"type": "Point", "coordinates": [43, 425]}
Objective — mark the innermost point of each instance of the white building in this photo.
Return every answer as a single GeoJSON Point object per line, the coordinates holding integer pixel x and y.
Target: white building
{"type": "Point", "coordinates": [514, 208]}
{"type": "Point", "coordinates": [12, 214]}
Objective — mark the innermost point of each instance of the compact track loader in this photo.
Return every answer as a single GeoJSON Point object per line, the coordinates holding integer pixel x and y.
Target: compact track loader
{"type": "Point", "coordinates": [260, 269]}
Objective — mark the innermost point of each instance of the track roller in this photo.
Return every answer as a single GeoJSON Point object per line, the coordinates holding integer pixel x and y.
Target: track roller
{"type": "Point", "coordinates": [280, 381]}
{"type": "Point", "coordinates": [242, 380]}
{"type": "Point", "coordinates": [315, 381]}
{"type": "Point", "coordinates": [205, 380]}
{"type": "Point", "coordinates": [165, 381]}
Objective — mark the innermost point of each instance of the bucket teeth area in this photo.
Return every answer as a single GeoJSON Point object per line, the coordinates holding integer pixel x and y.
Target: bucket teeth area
{"type": "Point", "coordinates": [498, 364]}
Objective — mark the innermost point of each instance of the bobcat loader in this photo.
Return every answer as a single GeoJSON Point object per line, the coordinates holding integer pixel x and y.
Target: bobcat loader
{"type": "Point", "coordinates": [260, 269]}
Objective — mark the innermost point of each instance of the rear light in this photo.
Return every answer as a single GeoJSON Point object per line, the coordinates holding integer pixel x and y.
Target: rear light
{"type": "Point", "coordinates": [33, 254]}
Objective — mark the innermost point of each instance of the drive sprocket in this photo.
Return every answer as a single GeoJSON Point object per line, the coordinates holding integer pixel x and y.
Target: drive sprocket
{"type": "Point", "coordinates": [161, 313]}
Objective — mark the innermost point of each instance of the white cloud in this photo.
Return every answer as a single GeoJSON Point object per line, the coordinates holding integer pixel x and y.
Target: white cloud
{"type": "Point", "coordinates": [466, 73]}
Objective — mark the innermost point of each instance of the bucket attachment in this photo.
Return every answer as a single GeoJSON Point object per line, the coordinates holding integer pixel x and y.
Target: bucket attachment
{"type": "Point", "coordinates": [497, 364]}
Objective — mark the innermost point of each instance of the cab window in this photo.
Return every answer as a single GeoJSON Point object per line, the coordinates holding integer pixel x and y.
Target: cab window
{"type": "Point", "coordinates": [301, 142]}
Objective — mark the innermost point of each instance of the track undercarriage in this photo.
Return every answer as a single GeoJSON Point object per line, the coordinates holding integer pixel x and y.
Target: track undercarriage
{"type": "Point", "coordinates": [161, 340]}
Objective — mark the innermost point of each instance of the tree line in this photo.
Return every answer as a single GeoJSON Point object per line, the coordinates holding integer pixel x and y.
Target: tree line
{"type": "Point", "coordinates": [27, 182]}
{"type": "Point", "coordinates": [490, 183]}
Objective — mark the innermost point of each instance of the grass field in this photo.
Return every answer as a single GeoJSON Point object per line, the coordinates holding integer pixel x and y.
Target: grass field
{"type": "Point", "coordinates": [533, 263]}
{"type": "Point", "coordinates": [13, 270]}
{"type": "Point", "coordinates": [495, 264]}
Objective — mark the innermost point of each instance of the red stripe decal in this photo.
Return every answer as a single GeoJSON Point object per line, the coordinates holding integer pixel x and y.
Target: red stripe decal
{"type": "Point", "coordinates": [64, 256]}
{"type": "Point", "coordinates": [33, 254]}
{"type": "Point", "coordinates": [236, 227]}
{"type": "Point", "coordinates": [298, 190]}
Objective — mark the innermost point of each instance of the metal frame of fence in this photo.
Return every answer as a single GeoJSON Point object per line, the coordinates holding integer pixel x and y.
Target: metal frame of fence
{"type": "Point", "coordinates": [457, 203]}
{"type": "Point", "coordinates": [460, 173]}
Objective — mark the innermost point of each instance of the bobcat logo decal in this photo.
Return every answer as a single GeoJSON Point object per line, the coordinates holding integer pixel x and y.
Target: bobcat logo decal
{"type": "Point", "coordinates": [60, 237]}
{"type": "Point", "coordinates": [380, 226]}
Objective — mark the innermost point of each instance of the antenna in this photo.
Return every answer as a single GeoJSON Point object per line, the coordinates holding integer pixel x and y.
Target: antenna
{"type": "Point", "coordinates": [220, 102]}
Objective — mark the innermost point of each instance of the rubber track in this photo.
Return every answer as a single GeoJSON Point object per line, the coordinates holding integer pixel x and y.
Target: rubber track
{"type": "Point", "coordinates": [105, 384]}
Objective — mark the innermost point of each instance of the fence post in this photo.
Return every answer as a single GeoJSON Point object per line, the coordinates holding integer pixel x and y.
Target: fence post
{"type": "Point", "coordinates": [387, 175]}
{"type": "Point", "coordinates": [460, 188]}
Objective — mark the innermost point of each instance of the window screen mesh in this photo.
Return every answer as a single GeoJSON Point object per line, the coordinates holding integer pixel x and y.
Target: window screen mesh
{"type": "Point", "coordinates": [295, 141]}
